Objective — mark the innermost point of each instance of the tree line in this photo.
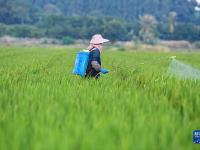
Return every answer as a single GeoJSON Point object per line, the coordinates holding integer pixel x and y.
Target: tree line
{"type": "Point", "coordinates": [146, 20]}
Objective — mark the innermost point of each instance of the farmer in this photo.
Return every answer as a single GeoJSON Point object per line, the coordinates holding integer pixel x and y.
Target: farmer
{"type": "Point", "coordinates": [94, 65]}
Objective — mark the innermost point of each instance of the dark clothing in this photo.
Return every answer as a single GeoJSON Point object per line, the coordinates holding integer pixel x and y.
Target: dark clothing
{"type": "Point", "coordinates": [93, 56]}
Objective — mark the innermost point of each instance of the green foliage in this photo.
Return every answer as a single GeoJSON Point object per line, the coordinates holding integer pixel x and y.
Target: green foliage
{"type": "Point", "coordinates": [197, 44]}
{"type": "Point", "coordinates": [21, 31]}
{"type": "Point", "coordinates": [67, 40]}
{"type": "Point", "coordinates": [182, 31]}
{"type": "Point", "coordinates": [84, 27]}
{"type": "Point", "coordinates": [25, 31]}
{"type": "Point", "coordinates": [124, 9]}
{"type": "Point", "coordinates": [116, 19]}
{"type": "Point", "coordinates": [44, 106]}
{"type": "Point", "coordinates": [187, 31]}
{"type": "Point", "coordinates": [3, 29]}
{"type": "Point", "coordinates": [115, 30]}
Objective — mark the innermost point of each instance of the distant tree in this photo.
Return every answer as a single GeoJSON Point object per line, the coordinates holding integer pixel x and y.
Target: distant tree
{"type": "Point", "coordinates": [186, 31]}
{"type": "Point", "coordinates": [67, 40]}
{"type": "Point", "coordinates": [3, 29]}
{"type": "Point", "coordinates": [52, 23]}
{"type": "Point", "coordinates": [115, 30]}
{"type": "Point", "coordinates": [171, 21]}
{"type": "Point", "coordinates": [51, 9]}
{"type": "Point", "coordinates": [21, 13]}
{"type": "Point", "coordinates": [148, 25]}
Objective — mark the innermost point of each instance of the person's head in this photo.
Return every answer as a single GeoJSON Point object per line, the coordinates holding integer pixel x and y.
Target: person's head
{"type": "Point", "coordinates": [97, 41]}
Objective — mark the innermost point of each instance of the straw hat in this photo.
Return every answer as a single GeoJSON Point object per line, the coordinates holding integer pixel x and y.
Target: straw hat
{"type": "Point", "coordinates": [98, 39]}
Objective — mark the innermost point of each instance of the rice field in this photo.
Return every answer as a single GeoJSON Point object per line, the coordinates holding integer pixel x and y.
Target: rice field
{"type": "Point", "coordinates": [43, 106]}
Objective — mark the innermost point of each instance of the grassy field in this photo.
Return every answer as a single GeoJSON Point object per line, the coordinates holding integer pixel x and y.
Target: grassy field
{"type": "Point", "coordinates": [136, 106]}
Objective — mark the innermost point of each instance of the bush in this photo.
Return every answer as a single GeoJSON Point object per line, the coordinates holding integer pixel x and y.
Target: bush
{"type": "Point", "coordinates": [3, 29]}
{"type": "Point", "coordinates": [54, 42]}
{"type": "Point", "coordinates": [67, 40]}
{"type": "Point", "coordinates": [197, 44]}
{"type": "Point", "coordinates": [23, 31]}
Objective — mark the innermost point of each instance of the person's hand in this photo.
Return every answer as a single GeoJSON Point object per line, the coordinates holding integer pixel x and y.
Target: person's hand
{"type": "Point", "coordinates": [104, 71]}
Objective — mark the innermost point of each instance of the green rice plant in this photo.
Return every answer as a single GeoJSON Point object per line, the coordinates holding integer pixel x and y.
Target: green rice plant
{"type": "Point", "coordinates": [136, 106]}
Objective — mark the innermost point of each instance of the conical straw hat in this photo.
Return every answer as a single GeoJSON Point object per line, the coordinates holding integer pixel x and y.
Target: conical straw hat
{"type": "Point", "coordinates": [98, 39]}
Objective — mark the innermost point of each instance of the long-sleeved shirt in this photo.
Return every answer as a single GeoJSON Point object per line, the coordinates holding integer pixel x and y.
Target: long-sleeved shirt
{"type": "Point", "coordinates": [94, 63]}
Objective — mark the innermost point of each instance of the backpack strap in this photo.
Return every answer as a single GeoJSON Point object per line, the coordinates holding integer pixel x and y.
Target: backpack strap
{"type": "Point", "coordinates": [94, 48]}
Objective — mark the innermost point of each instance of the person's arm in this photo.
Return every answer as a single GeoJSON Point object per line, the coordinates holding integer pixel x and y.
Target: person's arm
{"type": "Point", "coordinates": [94, 57]}
{"type": "Point", "coordinates": [96, 65]}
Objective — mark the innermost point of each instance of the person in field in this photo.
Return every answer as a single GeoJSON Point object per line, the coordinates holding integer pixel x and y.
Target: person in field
{"type": "Point", "coordinates": [94, 65]}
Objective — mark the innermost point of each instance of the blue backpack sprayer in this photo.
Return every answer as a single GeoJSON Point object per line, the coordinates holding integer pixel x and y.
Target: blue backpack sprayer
{"type": "Point", "coordinates": [81, 63]}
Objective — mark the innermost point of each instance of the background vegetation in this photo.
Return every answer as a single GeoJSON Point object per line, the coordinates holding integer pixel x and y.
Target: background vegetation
{"type": "Point", "coordinates": [115, 19]}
